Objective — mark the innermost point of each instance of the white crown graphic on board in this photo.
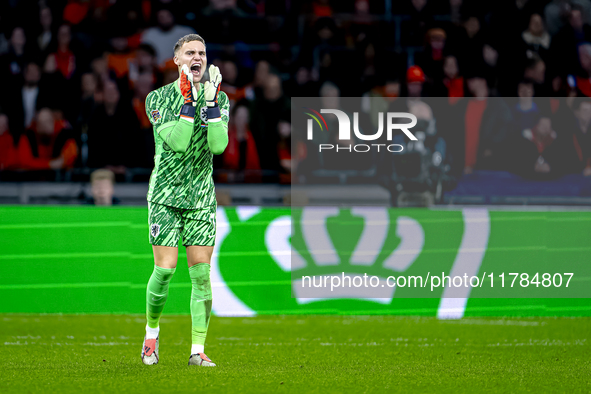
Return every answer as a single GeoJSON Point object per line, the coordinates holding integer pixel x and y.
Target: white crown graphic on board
{"type": "Point", "coordinates": [323, 254]}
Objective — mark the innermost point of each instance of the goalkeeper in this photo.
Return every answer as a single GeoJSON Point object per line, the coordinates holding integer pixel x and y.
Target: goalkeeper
{"type": "Point", "coordinates": [190, 122]}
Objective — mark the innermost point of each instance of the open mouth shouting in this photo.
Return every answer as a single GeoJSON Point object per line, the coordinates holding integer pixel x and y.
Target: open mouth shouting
{"type": "Point", "coordinates": [196, 70]}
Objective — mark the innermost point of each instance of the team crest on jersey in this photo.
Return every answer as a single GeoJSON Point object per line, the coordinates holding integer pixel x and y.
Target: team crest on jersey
{"type": "Point", "coordinates": [155, 230]}
{"type": "Point", "coordinates": [155, 115]}
{"type": "Point", "coordinates": [203, 114]}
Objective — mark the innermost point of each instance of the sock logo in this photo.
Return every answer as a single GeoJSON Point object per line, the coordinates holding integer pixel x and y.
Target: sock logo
{"type": "Point", "coordinates": [155, 230]}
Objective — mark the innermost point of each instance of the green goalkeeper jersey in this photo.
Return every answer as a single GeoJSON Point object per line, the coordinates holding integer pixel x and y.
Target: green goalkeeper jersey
{"type": "Point", "coordinates": [183, 179]}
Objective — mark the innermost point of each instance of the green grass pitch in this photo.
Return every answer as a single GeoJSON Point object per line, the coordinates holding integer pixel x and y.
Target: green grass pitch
{"type": "Point", "coordinates": [101, 353]}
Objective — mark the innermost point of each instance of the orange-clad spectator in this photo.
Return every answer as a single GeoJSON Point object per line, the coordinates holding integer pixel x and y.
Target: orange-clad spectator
{"type": "Point", "coordinates": [452, 80]}
{"type": "Point", "coordinates": [7, 147]}
{"type": "Point", "coordinates": [241, 153]}
{"type": "Point", "coordinates": [64, 57]}
{"type": "Point", "coordinates": [118, 60]}
{"type": "Point", "coordinates": [48, 144]}
{"type": "Point", "coordinates": [143, 86]}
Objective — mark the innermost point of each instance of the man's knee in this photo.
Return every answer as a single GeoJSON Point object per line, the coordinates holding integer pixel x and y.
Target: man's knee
{"type": "Point", "coordinates": [165, 257]}
{"type": "Point", "coordinates": [199, 254]}
{"type": "Point", "coordinates": [200, 279]}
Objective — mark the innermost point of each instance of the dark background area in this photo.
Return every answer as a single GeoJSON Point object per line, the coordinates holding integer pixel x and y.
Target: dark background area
{"type": "Point", "coordinates": [75, 74]}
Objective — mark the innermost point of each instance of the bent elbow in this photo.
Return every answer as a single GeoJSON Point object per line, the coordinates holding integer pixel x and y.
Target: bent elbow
{"type": "Point", "coordinates": [179, 149]}
{"type": "Point", "coordinates": [217, 150]}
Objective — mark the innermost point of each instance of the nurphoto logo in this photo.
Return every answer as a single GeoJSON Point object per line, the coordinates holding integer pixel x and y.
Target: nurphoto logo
{"type": "Point", "coordinates": [344, 132]}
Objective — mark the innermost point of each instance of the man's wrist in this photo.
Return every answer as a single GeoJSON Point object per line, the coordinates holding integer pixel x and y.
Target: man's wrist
{"type": "Point", "coordinates": [213, 112]}
{"type": "Point", "coordinates": [188, 112]}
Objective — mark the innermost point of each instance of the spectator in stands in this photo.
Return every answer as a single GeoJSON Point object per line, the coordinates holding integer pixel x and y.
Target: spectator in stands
{"type": "Point", "coordinates": [584, 77]}
{"type": "Point", "coordinates": [432, 58]}
{"type": "Point", "coordinates": [415, 79]}
{"type": "Point", "coordinates": [483, 130]}
{"type": "Point", "coordinates": [241, 153]}
{"type": "Point", "coordinates": [102, 183]}
{"type": "Point", "coordinates": [144, 62]}
{"type": "Point", "coordinates": [267, 112]}
{"type": "Point", "coordinates": [303, 84]}
{"type": "Point", "coordinates": [8, 155]}
{"type": "Point", "coordinates": [230, 72]}
{"type": "Point", "coordinates": [535, 71]}
{"type": "Point", "coordinates": [420, 20]}
{"type": "Point", "coordinates": [284, 148]}
{"type": "Point", "coordinates": [46, 35]}
{"type": "Point", "coordinates": [100, 69]}
{"type": "Point", "coordinates": [27, 98]}
{"type": "Point", "coordinates": [110, 132]}
{"type": "Point", "coordinates": [582, 136]}
{"type": "Point", "coordinates": [166, 33]}
{"type": "Point", "coordinates": [539, 151]}
{"type": "Point", "coordinates": [87, 100]}
{"type": "Point", "coordinates": [47, 144]}
{"type": "Point", "coordinates": [13, 62]}
{"type": "Point", "coordinates": [557, 11]}
{"type": "Point", "coordinates": [57, 92]}
{"type": "Point", "coordinates": [526, 112]}
{"type": "Point", "coordinates": [262, 71]}
{"type": "Point", "coordinates": [236, 27]}
{"type": "Point", "coordinates": [564, 44]}
{"type": "Point", "coordinates": [536, 39]}
{"type": "Point", "coordinates": [64, 57]}
{"type": "Point", "coordinates": [143, 156]}
{"type": "Point", "coordinates": [119, 58]}
{"type": "Point", "coordinates": [452, 80]}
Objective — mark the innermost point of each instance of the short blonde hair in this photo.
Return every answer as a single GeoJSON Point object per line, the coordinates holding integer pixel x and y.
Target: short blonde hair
{"type": "Point", "coordinates": [185, 39]}
{"type": "Point", "coordinates": [102, 174]}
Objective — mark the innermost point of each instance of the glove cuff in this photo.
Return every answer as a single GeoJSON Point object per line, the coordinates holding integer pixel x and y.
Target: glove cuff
{"type": "Point", "coordinates": [188, 113]}
{"type": "Point", "coordinates": [213, 112]}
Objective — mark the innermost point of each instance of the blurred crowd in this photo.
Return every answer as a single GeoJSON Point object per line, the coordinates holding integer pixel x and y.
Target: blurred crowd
{"type": "Point", "coordinates": [75, 74]}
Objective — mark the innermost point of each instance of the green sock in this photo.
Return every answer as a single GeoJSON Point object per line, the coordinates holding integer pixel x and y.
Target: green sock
{"type": "Point", "coordinates": [200, 302]}
{"type": "Point", "coordinates": [157, 294]}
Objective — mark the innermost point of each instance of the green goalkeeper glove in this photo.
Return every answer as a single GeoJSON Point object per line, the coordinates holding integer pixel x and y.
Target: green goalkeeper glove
{"type": "Point", "coordinates": [212, 87]}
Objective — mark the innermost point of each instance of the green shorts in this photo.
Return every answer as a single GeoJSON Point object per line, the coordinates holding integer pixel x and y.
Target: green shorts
{"type": "Point", "coordinates": [168, 224]}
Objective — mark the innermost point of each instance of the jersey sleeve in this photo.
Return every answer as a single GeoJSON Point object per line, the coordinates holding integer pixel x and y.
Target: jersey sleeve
{"type": "Point", "coordinates": [173, 130]}
{"type": "Point", "coordinates": [155, 109]}
{"type": "Point", "coordinates": [217, 129]}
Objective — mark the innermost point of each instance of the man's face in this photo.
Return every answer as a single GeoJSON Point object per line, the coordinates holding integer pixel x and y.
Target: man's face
{"type": "Point", "coordinates": [450, 67]}
{"type": "Point", "coordinates": [525, 90]}
{"type": "Point", "coordinates": [165, 19]}
{"type": "Point", "coordinates": [45, 122]}
{"type": "Point", "coordinates": [32, 74]}
{"type": "Point", "coordinates": [192, 54]}
{"type": "Point", "coordinates": [576, 19]}
{"type": "Point", "coordinates": [415, 89]}
{"type": "Point", "coordinates": [102, 192]}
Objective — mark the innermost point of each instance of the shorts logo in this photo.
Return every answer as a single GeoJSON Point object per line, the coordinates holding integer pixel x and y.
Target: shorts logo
{"type": "Point", "coordinates": [155, 115]}
{"type": "Point", "coordinates": [204, 114]}
{"type": "Point", "coordinates": [155, 230]}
